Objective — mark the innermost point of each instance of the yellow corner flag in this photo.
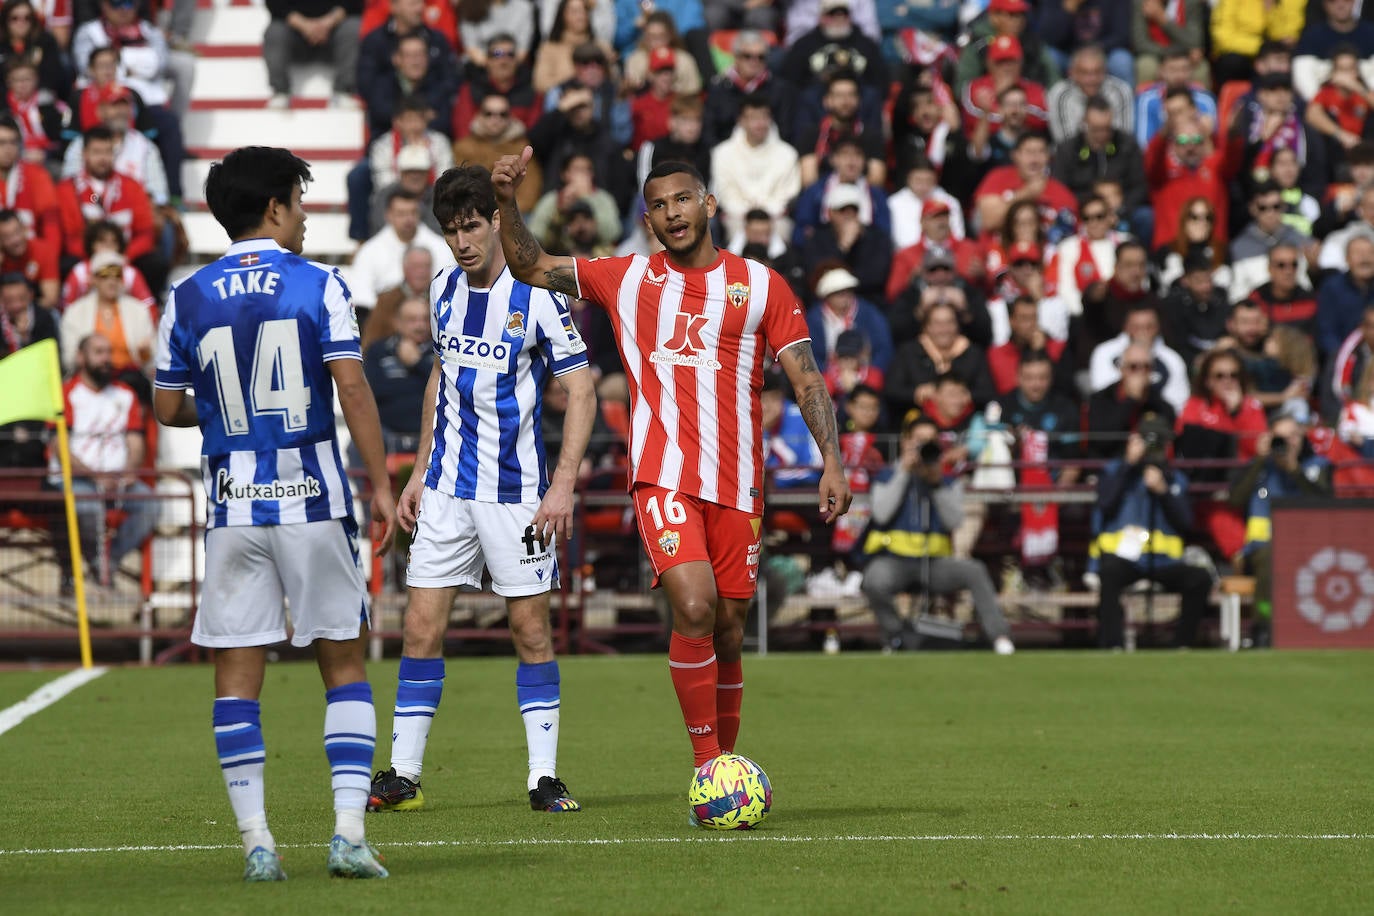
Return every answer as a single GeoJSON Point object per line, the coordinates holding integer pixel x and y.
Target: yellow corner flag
{"type": "Point", "coordinates": [32, 384]}
{"type": "Point", "coordinates": [31, 379]}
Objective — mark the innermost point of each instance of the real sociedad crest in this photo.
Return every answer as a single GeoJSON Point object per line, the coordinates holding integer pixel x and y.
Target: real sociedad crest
{"type": "Point", "coordinates": [669, 542]}
{"type": "Point", "coordinates": [738, 294]}
{"type": "Point", "coordinates": [515, 324]}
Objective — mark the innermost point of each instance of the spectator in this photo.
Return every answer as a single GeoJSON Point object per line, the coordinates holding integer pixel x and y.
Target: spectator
{"type": "Point", "coordinates": [1342, 297]}
{"type": "Point", "coordinates": [145, 63]}
{"type": "Point", "coordinates": [417, 271]}
{"type": "Point", "coordinates": [754, 169]}
{"type": "Point", "coordinates": [23, 37]}
{"type": "Point", "coordinates": [1026, 337]}
{"type": "Point", "coordinates": [839, 308]}
{"type": "Point", "coordinates": [122, 320]}
{"type": "Point", "coordinates": [789, 452]}
{"type": "Point", "coordinates": [1197, 234]}
{"type": "Point", "coordinates": [651, 108]}
{"type": "Point", "coordinates": [1005, 17]}
{"type": "Point", "coordinates": [1100, 152]}
{"type": "Point", "coordinates": [841, 118]}
{"type": "Point", "coordinates": [1356, 423]}
{"type": "Point", "coordinates": [906, 206]}
{"type": "Point", "coordinates": [30, 257]}
{"type": "Point", "coordinates": [1195, 311]}
{"type": "Point", "coordinates": [1069, 26]}
{"type": "Point", "coordinates": [1088, 79]}
{"type": "Point", "coordinates": [1085, 263]}
{"type": "Point", "coordinates": [864, 249]}
{"type": "Point", "coordinates": [1340, 109]}
{"type": "Point", "coordinates": [1143, 517]}
{"type": "Point", "coordinates": [26, 188]}
{"type": "Point", "coordinates": [1115, 411]}
{"type": "Point", "coordinates": [1181, 164]}
{"type": "Point", "coordinates": [553, 412]}
{"type": "Point", "coordinates": [1250, 250]}
{"type": "Point", "coordinates": [496, 132]}
{"type": "Point", "coordinates": [1333, 251]}
{"type": "Point", "coordinates": [1300, 209]}
{"type": "Point", "coordinates": [378, 48]}
{"type": "Point", "coordinates": [411, 75]}
{"type": "Point", "coordinates": [1276, 125]}
{"type": "Point", "coordinates": [937, 235]}
{"type": "Point", "coordinates": [660, 36]}
{"type": "Point", "coordinates": [409, 127]}
{"type": "Point", "coordinates": [479, 21]}
{"type": "Point", "coordinates": [1283, 363]}
{"type": "Point", "coordinates": [1347, 368]}
{"type": "Point", "coordinates": [550, 219]}
{"type": "Point", "coordinates": [1026, 277]}
{"type": "Point", "coordinates": [104, 235]}
{"type": "Point", "coordinates": [1285, 301]}
{"type": "Point", "coordinates": [41, 117]}
{"type": "Point", "coordinates": [682, 141]}
{"type": "Point", "coordinates": [804, 15]}
{"type": "Point", "coordinates": [1239, 29]}
{"type": "Point", "coordinates": [315, 29]}
{"type": "Point", "coordinates": [980, 100]}
{"type": "Point", "coordinates": [936, 282]}
{"type": "Point", "coordinates": [940, 349]}
{"type": "Point", "coordinates": [398, 368]}
{"type": "Point", "coordinates": [834, 43]}
{"type": "Point", "coordinates": [852, 368]}
{"type": "Point", "coordinates": [916, 508]}
{"type": "Point", "coordinates": [98, 192]}
{"type": "Point", "coordinates": [1175, 74]}
{"type": "Point", "coordinates": [587, 116]}
{"type": "Point", "coordinates": [741, 14]}
{"type": "Point", "coordinates": [503, 75]}
{"type": "Point", "coordinates": [1105, 308]}
{"type": "Point", "coordinates": [761, 242]}
{"type": "Point", "coordinates": [847, 159]}
{"type": "Point", "coordinates": [377, 265]}
{"type": "Point", "coordinates": [134, 154]}
{"type": "Point", "coordinates": [414, 168]}
{"type": "Point", "coordinates": [748, 74]}
{"type": "Point", "coordinates": [22, 321]}
{"type": "Point", "coordinates": [988, 148]}
{"type": "Point", "coordinates": [437, 14]}
{"type": "Point", "coordinates": [1168, 370]}
{"type": "Point", "coordinates": [1284, 465]}
{"type": "Point", "coordinates": [1027, 178]}
{"type": "Point", "coordinates": [1335, 27]}
{"type": "Point", "coordinates": [107, 448]}
{"type": "Point", "coordinates": [925, 127]}
{"type": "Point", "coordinates": [572, 25]}
{"type": "Point", "coordinates": [1161, 30]}
{"type": "Point", "coordinates": [1342, 197]}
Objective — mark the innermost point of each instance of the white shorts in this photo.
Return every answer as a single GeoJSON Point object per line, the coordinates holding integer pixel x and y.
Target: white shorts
{"type": "Point", "coordinates": [454, 537]}
{"type": "Point", "coordinates": [248, 570]}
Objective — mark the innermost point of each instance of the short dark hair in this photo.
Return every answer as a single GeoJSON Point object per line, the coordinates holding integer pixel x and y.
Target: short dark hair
{"type": "Point", "coordinates": [1024, 299]}
{"type": "Point", "coordinates": [850, 141]}
{"type": "Point", "coordinates": [7, 122]}
{"type": "Point", "coordinates": [15, 278]}
{"type": "Point", "coordinates": [1361, 153]}
{"type": "Point", "coordinates": [757, 214]}
{"type": "Point", "coordinates": [241, 187]}
{"type": "Point", "coordinates": [1030, 135]}
{"type": "Point", "coordinates": [862, 390]}
{"type": "Point", "coordinates": [1343, 48]}
{"type": "Point", "coordinates": [1131, 244]}
{"type": "Point", "coordinates": [1036, 356]}
{"type": "Point", "coordinates": [1176, 52]}
{"type": "Point", "coordinates": [1181, 91]}
{"type": "Point", "coordinates": [844, 75]}
{"type": "Point", "coordinates": [98, 229]}
{"type": "Point", "coordinates": [400, 194]}
{"type": "Point", "coordinates": [673, 167]}
{"type": "Point", "coordinates": [501, 38]}
{"type": "Point", "coordinates": [752, 100]}
{"type": "Point", "coordinates": [1097, 103]}
{"type": "Point", "coordinates": [7, 214]}
{"type": "Point", "coordinates": [95, 133]}
{"type": "Point", "coordinates": [949, 378]}
{"type": "Point", "coordinates": [411, 103]}
{"type": "Point", "coordinates": [462, 191]}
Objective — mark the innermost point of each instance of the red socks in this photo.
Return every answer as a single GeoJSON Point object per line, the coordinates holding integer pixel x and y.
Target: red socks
{"type": "Point", "coordinates": [692, 664]}
{"type": "Point", "coordinates": [729, 695]}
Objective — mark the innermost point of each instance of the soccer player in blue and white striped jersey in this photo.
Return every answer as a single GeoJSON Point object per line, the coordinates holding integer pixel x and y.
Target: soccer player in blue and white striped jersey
{"type": "Point", "coordinates": [481, 493]}
{"type": "Point", "coordinates": [264, 336]}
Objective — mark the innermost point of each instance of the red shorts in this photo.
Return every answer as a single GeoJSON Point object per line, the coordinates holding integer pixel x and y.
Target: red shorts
{"type": "Point", "coordinates": [674, 528]}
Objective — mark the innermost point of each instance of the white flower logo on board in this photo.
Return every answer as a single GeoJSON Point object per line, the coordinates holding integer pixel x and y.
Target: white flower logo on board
{"type": "Point", "coordinates": [1336, 590]}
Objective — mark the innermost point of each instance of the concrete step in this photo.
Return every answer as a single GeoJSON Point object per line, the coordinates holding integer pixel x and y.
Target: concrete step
{"type": "Point", "coordinates": [243, 80]}
{"type": "Point", "coordinates": [326, 236]}
{"type": "Point", "coordinates": [329, 189]}
{"type": "Point", "coordinates": [330, 133]}
{"type": "Point", "coordinates": [230, 25]}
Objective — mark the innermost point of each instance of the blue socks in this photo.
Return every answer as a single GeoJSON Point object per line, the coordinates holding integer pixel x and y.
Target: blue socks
{"type": "Point", "coordinates": [242, 758]}
{"type": "Point", "coordinates": [350, 737]}
{"type": "Point", "coordinates": [536, 689]}
{"type": "Point", "coordinates": [420, 686]}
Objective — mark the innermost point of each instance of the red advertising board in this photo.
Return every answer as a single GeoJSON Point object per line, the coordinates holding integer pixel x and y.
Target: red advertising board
{"type": "Point", "coordinates": [1324, 574]}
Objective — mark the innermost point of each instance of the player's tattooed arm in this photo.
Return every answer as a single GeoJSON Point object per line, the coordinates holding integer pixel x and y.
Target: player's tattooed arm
{"type": "Point", "coordinates": [561, 280]}
{"type": "Point", "coordinates": [528, 260]}
{"type": "Point", "coordinates": [813, 399]}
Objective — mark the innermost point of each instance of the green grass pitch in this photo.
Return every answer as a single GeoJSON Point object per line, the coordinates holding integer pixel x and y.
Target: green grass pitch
{"type": "Point", "coordinates": [1043, 783]}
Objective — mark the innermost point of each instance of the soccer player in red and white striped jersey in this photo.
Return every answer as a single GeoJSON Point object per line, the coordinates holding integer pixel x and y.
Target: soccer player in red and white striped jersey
{"type": "Point", "coordinates": [693, 323]}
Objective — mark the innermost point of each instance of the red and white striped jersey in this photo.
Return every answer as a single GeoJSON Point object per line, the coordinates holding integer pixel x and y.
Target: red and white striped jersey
{"type": "Point", "coordinates": [693, 343]}
{"type": "Point", "coordinates": [100, 421]}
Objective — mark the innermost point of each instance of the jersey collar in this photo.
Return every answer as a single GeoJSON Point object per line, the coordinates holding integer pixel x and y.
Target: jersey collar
{"type": "Point", "coordinates": [250, 245]}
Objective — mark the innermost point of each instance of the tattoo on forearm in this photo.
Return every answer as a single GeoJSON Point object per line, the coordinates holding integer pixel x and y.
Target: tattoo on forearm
{"type": "Point", "coordinates": [527, 251]}
{"type": "Point", "coordinates": [819, 412]}
{"type": "Point", "coordinates": [561, 280]}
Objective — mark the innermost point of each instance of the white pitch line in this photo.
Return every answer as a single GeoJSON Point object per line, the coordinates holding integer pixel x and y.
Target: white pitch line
{"type": "Point", "coordinates": [733, 837]}
{"type": "Point", "coordinates": [45, 696]}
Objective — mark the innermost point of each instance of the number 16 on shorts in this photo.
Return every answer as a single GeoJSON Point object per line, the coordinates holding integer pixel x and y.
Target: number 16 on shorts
{"type": "Point", "coordinates": [677, 528]}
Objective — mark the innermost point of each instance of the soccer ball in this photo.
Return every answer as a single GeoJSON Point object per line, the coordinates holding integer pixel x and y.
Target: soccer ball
{"type": "Point", "coordinates": [730, 793]}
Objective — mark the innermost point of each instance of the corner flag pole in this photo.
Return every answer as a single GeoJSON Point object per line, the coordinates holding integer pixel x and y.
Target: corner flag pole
{"type": "Point", "coordinates": [83, 623]}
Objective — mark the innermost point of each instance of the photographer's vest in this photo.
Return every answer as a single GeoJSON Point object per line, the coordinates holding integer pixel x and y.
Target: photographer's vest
{"type": "Point", "coordinates": [1128, 533]}
{"type": "Point", "coordinates": [907, 534]}
{"type": "Point", "coordinates": [1259, 525]}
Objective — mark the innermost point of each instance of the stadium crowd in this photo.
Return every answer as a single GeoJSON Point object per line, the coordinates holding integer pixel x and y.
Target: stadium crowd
{"type": "Point", "coordinates": [1017, 228]}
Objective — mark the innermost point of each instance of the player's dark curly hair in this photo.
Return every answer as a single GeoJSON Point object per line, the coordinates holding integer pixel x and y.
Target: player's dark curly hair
{"type": "Point", "coordinates": [241, 187]}
{"type": "Point", "coordinates": [462, 191]}
{"type": "Point", "coordinates": [674, 167]}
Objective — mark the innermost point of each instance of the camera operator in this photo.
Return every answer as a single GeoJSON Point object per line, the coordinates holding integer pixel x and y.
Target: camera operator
{"type": "Point", "coordinates": [1284, 465]}
{"type": "Point", "coordinates": [1144, 515]}
{"type": "Point", "coordinates": [916, 506]}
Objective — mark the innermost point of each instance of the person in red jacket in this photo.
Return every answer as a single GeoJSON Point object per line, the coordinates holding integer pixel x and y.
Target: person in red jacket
{"type": "Point", "coordinates": [98, 192]}
{"type": "Point", "coordinates": [26, 187]}
{"type": "Point", "coordinates": [1182, 163]}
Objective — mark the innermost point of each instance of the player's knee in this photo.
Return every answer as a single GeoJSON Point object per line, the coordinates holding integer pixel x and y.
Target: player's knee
{"type": "Point", "coordinates": [698, 610]}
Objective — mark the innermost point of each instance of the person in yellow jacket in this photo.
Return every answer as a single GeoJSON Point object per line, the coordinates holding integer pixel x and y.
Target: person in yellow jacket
{"type": "Point", "coordinates": [1239, 27]}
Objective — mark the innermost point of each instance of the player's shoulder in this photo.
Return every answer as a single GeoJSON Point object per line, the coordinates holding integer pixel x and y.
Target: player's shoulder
{"type": "Point", "coordinates": [442, 280]}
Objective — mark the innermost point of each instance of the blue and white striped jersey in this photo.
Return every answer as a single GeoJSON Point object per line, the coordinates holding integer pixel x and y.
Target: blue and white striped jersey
{"type": "Point", "coordinates": [497, 348]}
{"type": "Point", "coordinates": [252, 334]}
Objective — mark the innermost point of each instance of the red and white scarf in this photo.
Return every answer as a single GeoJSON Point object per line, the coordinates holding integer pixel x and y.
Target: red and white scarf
{"type": "Point", "coordinates": [96, 197]}
{"type": "Point", "coordinates": [1039, 521]}
{"type": "Point", "coordinates": [30, 120]}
